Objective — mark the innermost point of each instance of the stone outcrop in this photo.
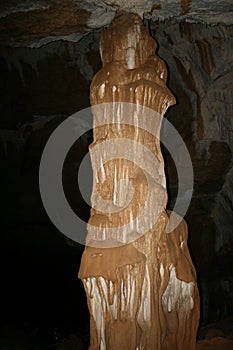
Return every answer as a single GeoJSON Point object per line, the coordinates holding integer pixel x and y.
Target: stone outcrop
{"type": "Point", "coordinates": [36, 23]}
{"type": "Point", "coordinates": [140, 285]}
{"type": "Point", "coordinates": [199, 59]}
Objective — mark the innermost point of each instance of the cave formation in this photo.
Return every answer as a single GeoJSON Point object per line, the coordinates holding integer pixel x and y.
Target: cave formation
{"type": "Point", "coordinates": [142, 292]}
{"type": "Point", "coordinates": [49, 55]}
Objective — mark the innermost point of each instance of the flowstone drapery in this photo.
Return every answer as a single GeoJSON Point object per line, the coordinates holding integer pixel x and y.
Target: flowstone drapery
{"type": "Point", "coordinates": [139, 280]}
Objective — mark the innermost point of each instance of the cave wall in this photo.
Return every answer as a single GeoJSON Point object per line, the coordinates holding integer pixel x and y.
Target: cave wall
{"type": "Point", "coordinates": [199, 58]}
{"type": "Point", "coordinates": [40, 87]}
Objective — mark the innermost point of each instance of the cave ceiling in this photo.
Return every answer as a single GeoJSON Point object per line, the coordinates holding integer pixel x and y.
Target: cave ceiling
{"type": "Point", "coordinates": [36, 23]}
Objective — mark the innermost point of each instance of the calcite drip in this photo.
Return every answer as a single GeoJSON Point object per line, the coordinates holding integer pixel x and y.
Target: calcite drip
{"type": "Point", "coordinates": [139, 280]}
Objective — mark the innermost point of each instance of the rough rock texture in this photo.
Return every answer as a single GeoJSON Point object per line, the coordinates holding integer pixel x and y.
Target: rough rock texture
{"type": "Point", "coordinates": [142, 294]}
{"type": "Point", "coordinates": [218, 343]}
{"type": "Point", "coordinates": [41, 86]}
{"type": "Point", "coordinates": [36, 23]}
{"type": "Point", "coordinates": [200, 64]}
{"type": "Point", "coordinates": [39, 89]}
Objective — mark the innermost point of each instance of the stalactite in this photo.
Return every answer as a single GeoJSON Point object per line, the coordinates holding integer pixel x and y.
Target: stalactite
{"type": "Point", "coordinates": [141, 289]}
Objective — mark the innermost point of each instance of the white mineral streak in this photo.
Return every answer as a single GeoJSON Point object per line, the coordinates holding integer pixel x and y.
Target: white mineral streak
{"type": "Point", "coordinates": [104, 296]}
{"type": "Point", "coordinates": [178, 294]}
{"type": "Point", "coordinates": [98, 305]}
{"type": "Point", "coordinates": [182, 244]}
{"type": "Point", "coordinates": [144, 222]}
{"type": "Point", "coordinates": [115, 190]}
{"type": "Point", "coordinates": [133, 290]}
{"type": "Point", "coordinates": [113, 307]}
{"type": "Point", "coordinates": [161, 270]}
{"type": "Point", "coordinates": [102, 90]}
{"type": "Point", "coordinates": [132, 42]}
{"type": "Point", "coordinates": [102, 170]}
{"type": "Point", "coordinates": [145, 309]}
{"type": "Point", "coordinates": [130, 58]}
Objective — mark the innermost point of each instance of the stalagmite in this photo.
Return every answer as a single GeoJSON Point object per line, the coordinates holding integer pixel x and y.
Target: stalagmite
{"type": "Point", "coordinates": [139, 280]}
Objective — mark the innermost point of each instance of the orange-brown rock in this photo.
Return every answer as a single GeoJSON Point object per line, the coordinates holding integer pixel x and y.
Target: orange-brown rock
{"type": "Point", "coordinates": [139, 280]}
{"type": "Point", "coordinates": [218, 343]}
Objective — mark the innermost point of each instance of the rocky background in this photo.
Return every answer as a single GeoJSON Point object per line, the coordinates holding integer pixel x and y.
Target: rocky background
{"type": "Point", "coordinates": [48, 57]}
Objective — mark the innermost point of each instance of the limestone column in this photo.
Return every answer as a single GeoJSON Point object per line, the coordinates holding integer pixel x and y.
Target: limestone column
{"type": "Point", "coordinates": [139, 280]}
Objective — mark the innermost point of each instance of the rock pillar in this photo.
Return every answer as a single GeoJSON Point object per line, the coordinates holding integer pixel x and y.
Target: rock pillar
{"type": "Point", "coordinates": [139, 280]}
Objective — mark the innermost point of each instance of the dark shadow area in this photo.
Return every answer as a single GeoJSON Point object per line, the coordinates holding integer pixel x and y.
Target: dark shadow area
{"type": "Point", "coordinates": [43, 302]}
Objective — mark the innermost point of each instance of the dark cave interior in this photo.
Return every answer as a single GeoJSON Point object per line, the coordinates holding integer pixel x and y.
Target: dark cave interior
{"type": "Point", "coordinates": [43, 301]}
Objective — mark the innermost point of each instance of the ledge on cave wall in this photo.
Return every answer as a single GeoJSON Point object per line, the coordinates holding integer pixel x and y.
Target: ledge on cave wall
{"type": "Point", "coordinates": [36, 23]}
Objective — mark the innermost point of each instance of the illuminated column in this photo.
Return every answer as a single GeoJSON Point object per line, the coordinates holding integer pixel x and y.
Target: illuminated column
{"type": "Point", "coordinates": [139, 280]}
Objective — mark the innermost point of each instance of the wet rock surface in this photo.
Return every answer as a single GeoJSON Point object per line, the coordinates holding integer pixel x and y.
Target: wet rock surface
{"type": "Point", "coordinates": [41, 87]}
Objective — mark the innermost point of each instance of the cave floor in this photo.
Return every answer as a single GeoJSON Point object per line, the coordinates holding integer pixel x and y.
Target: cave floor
{"type": "Point", "coordinates": [215, 336]}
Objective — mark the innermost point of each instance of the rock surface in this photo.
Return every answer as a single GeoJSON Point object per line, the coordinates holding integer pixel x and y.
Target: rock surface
{"type": "Point", "coordinates": [35, 23]}
{"type": "Point", "coordinates": [139, 280]}
{"type": "Point", "coordinates": [215, 344]}
{"type": "Point", "coordinates": [41, 86]}
{"type": "Point", "coordinates": [200, 65]}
